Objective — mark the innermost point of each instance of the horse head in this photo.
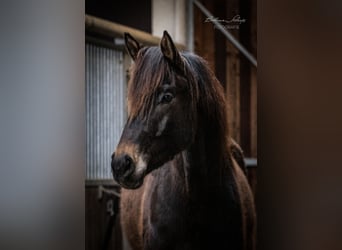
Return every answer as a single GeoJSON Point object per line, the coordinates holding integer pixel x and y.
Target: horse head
{"type": "Point", "coordinates": [161, 111]}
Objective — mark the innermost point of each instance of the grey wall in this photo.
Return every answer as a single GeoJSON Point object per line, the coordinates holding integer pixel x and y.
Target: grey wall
{"type": "Point", "coordinates": [42, 142]}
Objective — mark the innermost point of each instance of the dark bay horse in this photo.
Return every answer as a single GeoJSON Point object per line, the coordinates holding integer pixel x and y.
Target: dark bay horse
{"type": "Point", "coordinates": [182, 186]}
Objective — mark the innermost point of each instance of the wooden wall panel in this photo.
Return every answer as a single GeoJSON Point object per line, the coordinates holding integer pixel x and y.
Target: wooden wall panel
{"type": "Point", "coordinates": [240, 75]}
{"type": "Point", "coordinates": [97, 221]}
{"type": "Point", "coordinates": [233, 90]}
{"type": "Point", "coordinates": [254, 115]}
{"type": "Point", "coordinates": [233, 74]}
{"type": "Point", "coordinates": [254, 92]}
{"type": "Point", "coordinates": [245, 80]}
{"type": "Point", "coordinates": [220, 44]}
{"type": "Point", "coordinates": [204, 35]}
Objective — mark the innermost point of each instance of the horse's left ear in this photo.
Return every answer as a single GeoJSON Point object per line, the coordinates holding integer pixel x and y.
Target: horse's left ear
{"type": "Point", "coordinates": [169, 49]}
{"type": "Point", "coordinates": [132, 46]}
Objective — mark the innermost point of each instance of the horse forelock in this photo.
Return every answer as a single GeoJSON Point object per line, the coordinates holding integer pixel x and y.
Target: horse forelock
{"type": "Point", "coordinates": [148, 73]}
{"type": "Point", "coordinates": [146, 76]}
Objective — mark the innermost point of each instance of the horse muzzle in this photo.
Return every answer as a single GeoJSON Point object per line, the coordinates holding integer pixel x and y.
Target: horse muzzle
{"type": "Point", "coordinates": [124, 172]}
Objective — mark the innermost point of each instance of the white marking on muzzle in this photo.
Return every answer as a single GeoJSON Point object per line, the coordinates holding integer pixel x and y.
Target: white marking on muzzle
{"type": "Point", "coordinates": [162, 125]}
{"type": "Point", "coordinates": [141, 166]}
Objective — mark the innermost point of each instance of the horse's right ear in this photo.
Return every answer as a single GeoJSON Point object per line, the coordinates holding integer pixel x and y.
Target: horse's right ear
{"type": "Point", "coordinates": [169, 49]}
{"type": "Point", "coordinates": [132, 46]}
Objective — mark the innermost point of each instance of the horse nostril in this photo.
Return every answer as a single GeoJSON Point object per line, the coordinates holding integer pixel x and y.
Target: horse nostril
{"type": "Point", "coordinates": [113, 155]}
{"type": "Point", "coordinates": [128, 161]}
{"type": "Point", "coordinates": [122, 165]}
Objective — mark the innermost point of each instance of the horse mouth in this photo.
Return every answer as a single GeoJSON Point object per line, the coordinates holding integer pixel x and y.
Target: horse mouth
{"type": "Point", "coordinates": [135, 185]}
{"type": "Point", "coordinates": [129, 181]}
{"type": "Point", "coordinates": [131, 184]}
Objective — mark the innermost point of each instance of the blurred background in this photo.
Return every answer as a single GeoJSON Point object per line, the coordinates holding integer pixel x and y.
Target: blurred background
{"type": "Point", "coordinates": [192, 26]}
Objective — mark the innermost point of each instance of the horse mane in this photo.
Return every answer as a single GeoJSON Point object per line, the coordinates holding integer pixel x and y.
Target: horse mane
{"type": "Point", "coordinates": [212, 106]}
{"type": "Point", "coordinates": [151, 69]}
{"type": "Point", "coordinates": [211, 103]}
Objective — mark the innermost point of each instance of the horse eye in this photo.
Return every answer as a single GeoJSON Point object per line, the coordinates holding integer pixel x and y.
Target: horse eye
{"type": "Point", "coordinates": [166, 98]}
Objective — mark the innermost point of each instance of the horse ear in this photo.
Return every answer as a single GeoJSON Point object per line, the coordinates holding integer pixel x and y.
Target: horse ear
{"type": "Point", "coordinates": [132, 46]}
{"type": "Point", "coordinates": [169, 49]}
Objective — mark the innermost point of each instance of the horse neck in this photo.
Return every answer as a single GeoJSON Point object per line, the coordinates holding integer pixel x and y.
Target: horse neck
{"type": "Point", "coordinates": [207, 159]}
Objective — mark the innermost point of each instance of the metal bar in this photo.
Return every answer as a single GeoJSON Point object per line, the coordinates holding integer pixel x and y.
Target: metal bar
{"type": "Point", "coordinates": [98, 182]}
{"type": "Point", "coordinates": [106, 27]}
{"type": "Point", "coordinates": [251, 162]}
{"type": "Point", "coordinates": [102, 189]}
{"type": "Point", "coordinates": [229, 36]}
{"type": "Point", "coordinates": [102, 43]}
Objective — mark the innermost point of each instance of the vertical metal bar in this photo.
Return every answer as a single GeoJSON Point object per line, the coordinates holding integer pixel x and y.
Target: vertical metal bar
{"type": "Point", "coordinates": [111, 105]}
{"type": "Point", "coordinates": [99, 79]}
{"type": "Point", "coordinates": [106, 101]}
{"type": "Point", "coordinates": [101, 102]}
{"type": "Point", "coordinates": [101, 86]}
{"type": "Point", "coordinates": [98, 113]}
{"type": "Point", "coordinates": [87, 109]}
{"type": "Point", "coordinates": [92, 104]}
{"type": "Point", "coordinates": [91, 111]}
